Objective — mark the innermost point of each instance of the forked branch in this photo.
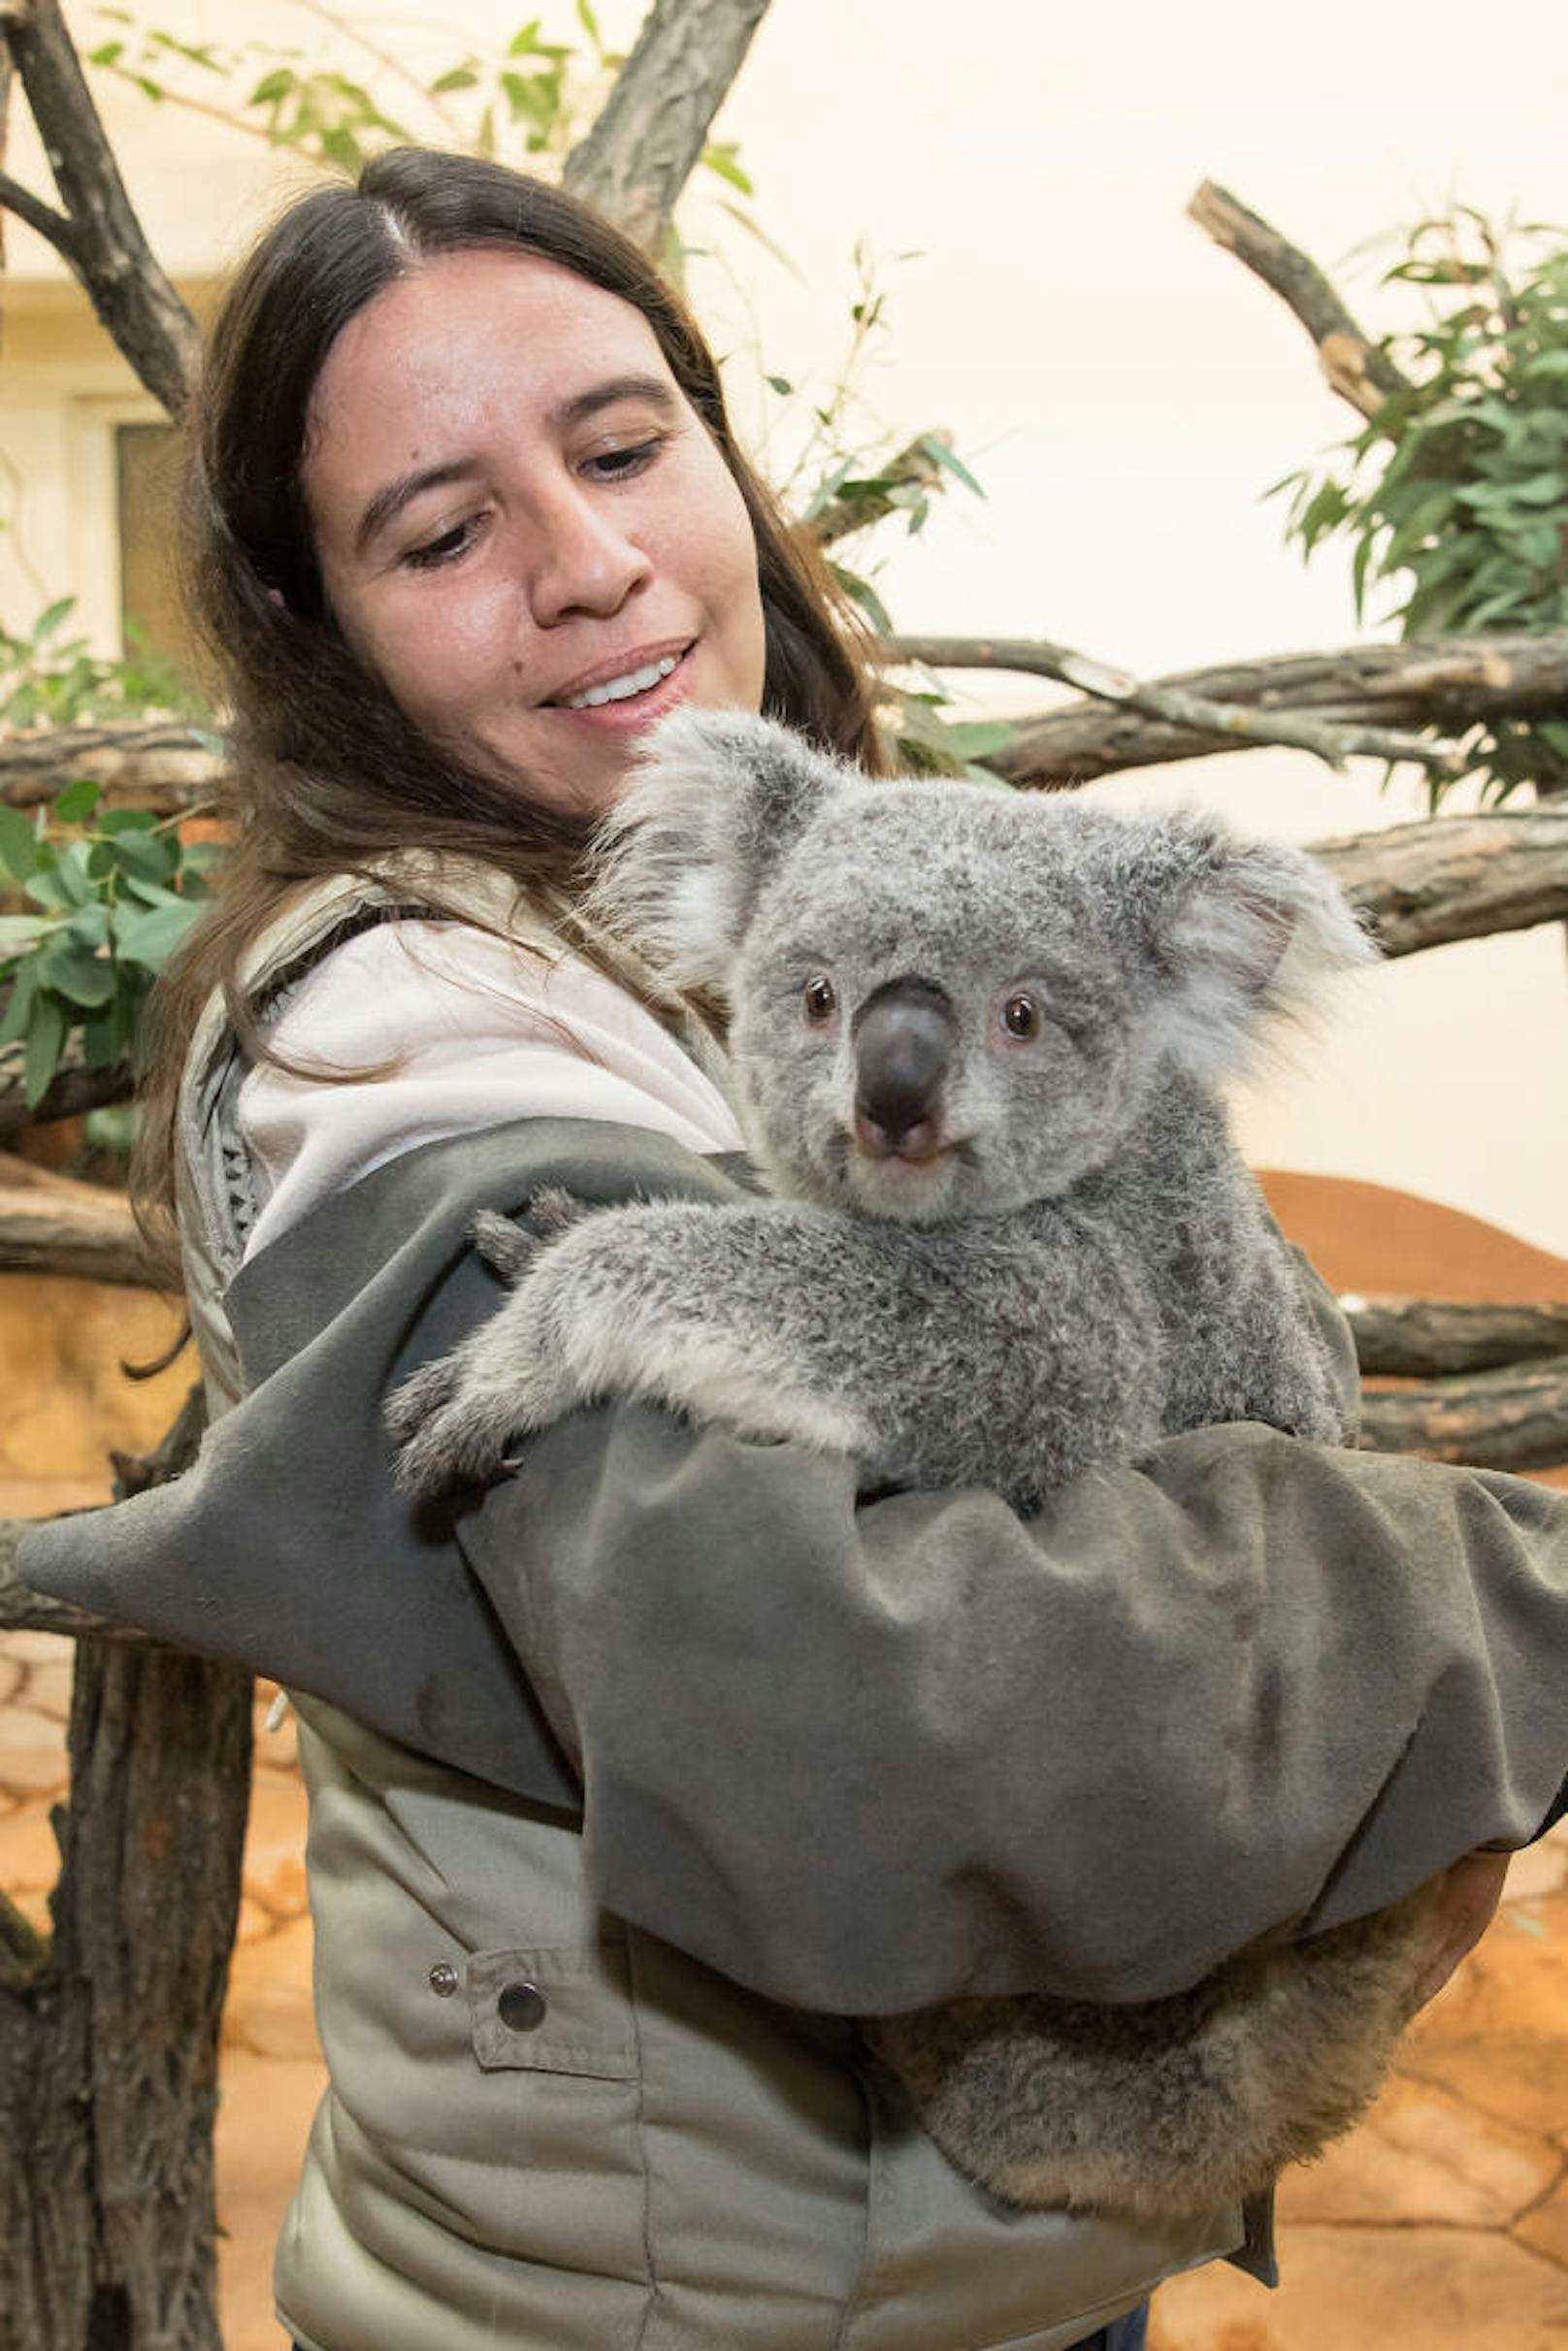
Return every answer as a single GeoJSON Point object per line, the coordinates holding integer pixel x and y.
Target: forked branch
{"type": "Point", "coordinates": [96, 232]}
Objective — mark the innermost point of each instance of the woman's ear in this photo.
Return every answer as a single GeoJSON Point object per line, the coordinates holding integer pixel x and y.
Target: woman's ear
{"type": "Point", "coordinates": [717, 798]}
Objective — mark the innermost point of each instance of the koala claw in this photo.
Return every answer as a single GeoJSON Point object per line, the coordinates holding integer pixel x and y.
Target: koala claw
{"type": "Point", "coordinates": [510, 1247]}
{"type": "Point", "coordinates": [441, 1441]}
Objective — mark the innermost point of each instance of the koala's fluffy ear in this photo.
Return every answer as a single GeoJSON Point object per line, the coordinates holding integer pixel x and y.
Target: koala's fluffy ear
{"type": "Point", "coordinates": [1246, 935]}
{"type": "Point", "coordinates": [716, 799]}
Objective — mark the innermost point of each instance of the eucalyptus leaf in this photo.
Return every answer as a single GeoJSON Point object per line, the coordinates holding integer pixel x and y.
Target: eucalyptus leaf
{"type": "Point", "coordinates": [18, 844]}
{"type": "Point", "coordinates": [76, 972]}
{"type": "Point", "coordinates": [19, 1004]}
{"type": "Point", "coordinates": [23, 930]}
{"type": "Point", "coordinates": [46, 1042]}
{"type": "Point", "coordinates": [147, 936]}
{"type": "Point", "coordinates": [77, 802]}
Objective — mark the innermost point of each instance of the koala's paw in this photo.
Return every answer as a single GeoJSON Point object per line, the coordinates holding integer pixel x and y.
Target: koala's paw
{"type": "Point", "coordinates": [510, 1247]}
{"type": "Point", "coordinates": [419, 1419]}
{"type": "Point", "coordinates": [442, 1439]}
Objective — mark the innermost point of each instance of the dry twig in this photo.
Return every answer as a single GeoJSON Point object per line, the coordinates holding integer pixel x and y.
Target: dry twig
{"type": "Point", "coordinates": [1355, 366]}
{"type": "Point", "coordinates": [1177, 706]}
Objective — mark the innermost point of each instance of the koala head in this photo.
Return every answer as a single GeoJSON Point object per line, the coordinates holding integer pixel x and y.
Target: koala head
{"type": "Point", "coordinates": [948, 999]}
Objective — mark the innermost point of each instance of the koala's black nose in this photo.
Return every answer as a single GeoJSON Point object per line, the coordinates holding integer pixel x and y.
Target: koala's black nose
{"type": "Point", "coordinates": [903, 1043]}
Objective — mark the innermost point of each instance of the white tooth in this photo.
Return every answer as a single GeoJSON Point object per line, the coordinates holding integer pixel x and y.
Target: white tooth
{"type": "Point", "coordinates": [620, 689]}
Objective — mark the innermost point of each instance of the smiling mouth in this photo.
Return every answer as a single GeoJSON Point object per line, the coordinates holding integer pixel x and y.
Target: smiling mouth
{"type": "Point", "coordinates": [630, 686]}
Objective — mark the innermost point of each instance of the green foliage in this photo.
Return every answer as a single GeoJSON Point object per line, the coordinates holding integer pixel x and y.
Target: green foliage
{"type": "Point", "coordinates": [102, 895]}
{"type": "Point", "coordinates": [92, 898]}
{"type": "Point", "coordinates": [50, 679]}
{"type": "Point", "coordinates": [1456, 494]}
{"type": "Point", "coordinates": [528, 104]}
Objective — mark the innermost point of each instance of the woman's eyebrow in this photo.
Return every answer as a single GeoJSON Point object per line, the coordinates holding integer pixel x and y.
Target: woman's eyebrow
{"type": "Point", "coordinates": [391, 499]}
{"type": "Point", "coordinates": [655, 390]}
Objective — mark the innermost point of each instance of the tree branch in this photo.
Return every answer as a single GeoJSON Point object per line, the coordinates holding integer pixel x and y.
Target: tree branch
{"type": "Point", "coordinates": [1458, 877]}
{"type": "Point", "coordinates": [107, 251]}
{"type": "Point", "coordinates": [1355, 367]}
{"type": "Point", "coordinates": [1230, 723]}
{"type": "Point", "coordinates": [50, 1224]}
{"type": "Point", "coordinates": [41, 217]}
{"type": "Point", "coordinates": [1430, 1338]}
{"type": "Point", "coordinates": [73, 1090]}
{"type": "Point", "coordinates": [641, 152]}
{"type": "Point", "coordinates": [1517, 1419]}
{"type": "Point", "coordinates": [7, 71]}
{"type": "Point", "coordinates": [156, 764]}
{"type": "Point", "coordinates": [1455, 682]}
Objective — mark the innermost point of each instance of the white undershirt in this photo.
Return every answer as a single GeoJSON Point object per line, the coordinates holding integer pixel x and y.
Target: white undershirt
{"type": "Point", "coordinates": [480, 1030]}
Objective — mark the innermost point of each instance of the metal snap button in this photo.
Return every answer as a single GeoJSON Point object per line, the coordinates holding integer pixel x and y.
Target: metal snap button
{"type": "Point", "coordinates": [522, 2006]}
{"type": "Point", "coordinates": [442, 1979]}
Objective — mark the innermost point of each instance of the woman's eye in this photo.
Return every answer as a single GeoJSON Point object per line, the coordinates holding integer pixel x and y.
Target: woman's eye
{"type": "Point", "coordinates": [443, 550]}
{"type": "Point", "coordinates": [619, 465]}
{"type": "Point", "coordinates": [1021, 1015]}
{"type": "Point", "coordinates": [819, 999]}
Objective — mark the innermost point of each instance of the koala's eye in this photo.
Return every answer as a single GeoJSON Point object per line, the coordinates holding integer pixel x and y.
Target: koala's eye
{"type": "Point", "coordinates": [1021, 1015]}
{"type": "Point", "coordinates": [819, 999]}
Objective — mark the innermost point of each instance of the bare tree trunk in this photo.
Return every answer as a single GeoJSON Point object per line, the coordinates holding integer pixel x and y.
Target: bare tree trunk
{"type": "Point", "coordinates": [109, 2034]}
{"type": "Point", "coordinates": [109, 2030]}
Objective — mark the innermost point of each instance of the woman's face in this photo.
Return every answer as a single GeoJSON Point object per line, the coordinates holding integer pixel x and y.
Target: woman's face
{"type": "Point", "coordinates": [515, 509]}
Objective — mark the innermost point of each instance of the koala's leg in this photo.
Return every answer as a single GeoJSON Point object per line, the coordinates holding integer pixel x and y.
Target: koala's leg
{"type": "Point", "coordinates": [1170, 2105]}
{"type": "Point", "coordinates": [753, 1316]}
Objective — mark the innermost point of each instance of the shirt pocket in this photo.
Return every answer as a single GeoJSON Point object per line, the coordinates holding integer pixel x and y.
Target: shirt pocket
{"type": "Point", "coordinates": [554, 2009]}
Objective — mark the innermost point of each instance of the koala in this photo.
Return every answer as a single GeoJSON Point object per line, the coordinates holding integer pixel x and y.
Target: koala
{"type": "Point", "coordinates": [976, 1038]}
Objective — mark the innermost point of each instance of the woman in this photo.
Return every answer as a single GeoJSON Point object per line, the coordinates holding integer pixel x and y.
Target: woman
{"type": "Point", "coordinates": [635, 1781]}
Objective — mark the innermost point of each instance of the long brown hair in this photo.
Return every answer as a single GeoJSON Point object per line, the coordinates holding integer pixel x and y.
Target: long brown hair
{"type": "Point", "coordinates": [330, 772]}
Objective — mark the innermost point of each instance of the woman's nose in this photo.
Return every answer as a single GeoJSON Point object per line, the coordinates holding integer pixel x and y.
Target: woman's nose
{"type": "Point", "coordinates": [584, 561]}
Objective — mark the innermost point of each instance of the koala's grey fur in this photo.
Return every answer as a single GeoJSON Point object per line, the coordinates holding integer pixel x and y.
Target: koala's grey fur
{"type": "Point", "coordinates": [1079, 1266]}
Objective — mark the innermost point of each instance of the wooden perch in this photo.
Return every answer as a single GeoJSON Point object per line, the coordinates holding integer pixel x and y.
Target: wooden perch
{"type": "Point", "coordinates": [1516, 1419]}
{"type": "Point", "coordinates": [97, 234]}
{"type": "Point", "coordinates": [638, 155]}
{"type": "Point", "coordinates": [1355, 367]}
{"type": "Point", "coordinates": [50, 1224]}
{"type": "Point", "coordinates": [73, 1090]}
{"type": "Point", "coordinates": [1175, 706]}
{"type": "Point", "coordinates": [1457, 877]}
{"type": "Point", "coordinates": [1431, 1338]}
{"type": "Point", "coordinates": [1453, 682]}
{"type": "Point", "coordinates": [156, 764]}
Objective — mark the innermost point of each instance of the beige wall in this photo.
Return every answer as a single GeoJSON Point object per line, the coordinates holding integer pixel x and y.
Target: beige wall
{"type": "Point", "coordinates": [1124, 390]}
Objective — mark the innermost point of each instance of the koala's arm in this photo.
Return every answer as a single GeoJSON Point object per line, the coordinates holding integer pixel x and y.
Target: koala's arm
{"type": "Point", "coordinates": [764, 1316]}
{"type": "Point", "coordinates": [866, 1757]}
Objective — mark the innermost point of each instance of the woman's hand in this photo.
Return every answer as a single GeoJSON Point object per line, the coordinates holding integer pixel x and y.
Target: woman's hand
{"type": "Point", "coordinates": [1467, 1898]}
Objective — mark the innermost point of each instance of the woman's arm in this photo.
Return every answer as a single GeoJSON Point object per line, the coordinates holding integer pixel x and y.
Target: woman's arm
{"type": "Point", "coordinates": [862, 1757]}
{"type": "Point", "coordinates": [867, 1757]}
